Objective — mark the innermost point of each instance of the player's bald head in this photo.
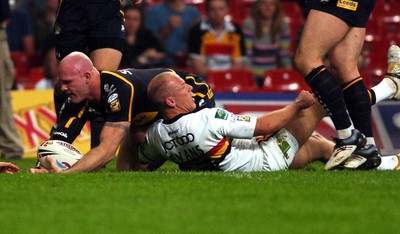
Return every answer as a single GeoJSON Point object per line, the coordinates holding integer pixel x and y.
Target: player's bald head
{"type": "Point", "coordinates": [73, 63]}
{"type": "Point", "coordinates": [162, 86]}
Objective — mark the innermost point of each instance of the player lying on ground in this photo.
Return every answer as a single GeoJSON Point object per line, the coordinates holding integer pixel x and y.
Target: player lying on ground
{"type": "Point", "coordinates": [216, 139]}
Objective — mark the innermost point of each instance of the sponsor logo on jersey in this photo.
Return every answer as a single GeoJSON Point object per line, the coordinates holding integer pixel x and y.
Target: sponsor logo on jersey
{"type": "Point", "coordinates": [347, 4]}
{"type": "Point", "coordinates": [201, 102]}
{"type": "Point", "coordinates": [221, 114]}
{"type": "Point", "coordinates": [112, 97]}
{"type": "Point", "coordinates": [109, 89]}
{"type": "Point", "coordinates": [284, 146]}
{"type": "Point", "coordinates": [63, 134]}
{"type": "Point", "coordinates": [113, 100]}
{"type": "Point", "coordinates": [244, 118]}
{"type": "Point", "coordinates": [177, 141]}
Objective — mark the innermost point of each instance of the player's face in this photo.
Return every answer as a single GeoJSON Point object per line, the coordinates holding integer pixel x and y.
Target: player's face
{"type": "Point", "coordinates": [74, 86]}
{"type": "Point", "coordinates": [183, 94]}
{"type": "Point", "coordinates": [216, 12]}
{"type": "Point", "coordinates": [267, 8]}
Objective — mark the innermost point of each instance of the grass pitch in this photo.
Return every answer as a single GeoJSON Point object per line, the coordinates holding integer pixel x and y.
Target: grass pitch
{"type": "Point", "coordinates": [168, 201]}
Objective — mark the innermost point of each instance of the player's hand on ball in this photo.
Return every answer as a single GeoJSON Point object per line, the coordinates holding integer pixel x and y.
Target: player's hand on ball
{"type": "Point", "coordinates": [42, 170]}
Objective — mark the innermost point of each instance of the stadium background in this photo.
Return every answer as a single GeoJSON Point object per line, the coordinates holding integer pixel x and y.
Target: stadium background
{"type": "Point", "coordinates": [235, 90]}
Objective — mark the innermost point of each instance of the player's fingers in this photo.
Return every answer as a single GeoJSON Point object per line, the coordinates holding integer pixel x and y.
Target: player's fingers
{"type": "Point", "coordinates": [38, 171]}
{"type": "Point", "coordinates": [53, 164]}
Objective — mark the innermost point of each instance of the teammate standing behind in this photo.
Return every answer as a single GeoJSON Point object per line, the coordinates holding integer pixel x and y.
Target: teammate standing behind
{"type": "Point", "coordinates": [95, 28]}
{"type": "Point", "coordinates": [337, 28]}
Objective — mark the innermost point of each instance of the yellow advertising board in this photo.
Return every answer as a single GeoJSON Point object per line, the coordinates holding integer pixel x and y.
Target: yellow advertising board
{"type": "Point", "coordinates": [34, 116]}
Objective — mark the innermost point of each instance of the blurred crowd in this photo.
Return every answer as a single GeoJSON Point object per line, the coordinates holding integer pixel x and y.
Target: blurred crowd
{"type": "Point", "coordinates": [195, 35]}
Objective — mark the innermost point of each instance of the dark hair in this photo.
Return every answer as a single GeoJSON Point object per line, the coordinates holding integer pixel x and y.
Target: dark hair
{"type": "Point", "coordinates": [277, 19]}
{"type": "Point", "coordinates": [208, 2]}
{"type": "Point", "coordinates": [138, 7]}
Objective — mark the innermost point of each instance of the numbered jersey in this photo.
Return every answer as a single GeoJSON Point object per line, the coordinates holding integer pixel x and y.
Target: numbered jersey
{"type": "Point", "coordinates": [203, 141]}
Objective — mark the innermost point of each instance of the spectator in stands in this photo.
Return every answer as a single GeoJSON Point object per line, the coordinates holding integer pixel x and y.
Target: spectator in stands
{"type": "Point", "coordinates": [170, 22]}
{"type": "Point", "coordinates": [267, 38]}
{"type": "Point", "coordinates": [10, 141]}
{"type": "Point", "coordinates": [43, 23]}
{"type": "Point", "coordinates": [215, 43]}
{"type": "Point", "coordinates": [20, 32]}
{"type": "Point", "coordinates": [142, 49]}
{"type": "Point", "coordinates": [49, 65]}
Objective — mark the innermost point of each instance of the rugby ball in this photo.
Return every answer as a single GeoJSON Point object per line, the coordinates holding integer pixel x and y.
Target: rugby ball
{"type": "Point", "coordinates": [64, 154]}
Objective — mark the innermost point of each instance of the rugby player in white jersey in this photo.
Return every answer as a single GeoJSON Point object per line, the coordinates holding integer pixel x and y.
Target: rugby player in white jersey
{"type": "Point", "coordinates": [216, 139]}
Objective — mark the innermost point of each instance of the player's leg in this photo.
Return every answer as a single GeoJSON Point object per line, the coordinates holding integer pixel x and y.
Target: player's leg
{"type": "Point", "coordinates": [316, 148]}
{"type": "Point", "coordinates": [322, 33]}
{"type": "Point", "coordinates": [282, 147]}
{"type": "Point", "coordinates": [389, 87]}
{"type": "Point", "coordinates": [106, 58]}
{"type": "Point", "coordinates": [343, 58]}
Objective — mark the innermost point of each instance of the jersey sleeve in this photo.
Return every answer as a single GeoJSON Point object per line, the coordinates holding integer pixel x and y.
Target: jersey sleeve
{"type": "Point", "coordinates": [119, 99]}
{"type": "Point", "coordinates": [148, 154]}
{"type": "Point", "coordinates": [231, 125]}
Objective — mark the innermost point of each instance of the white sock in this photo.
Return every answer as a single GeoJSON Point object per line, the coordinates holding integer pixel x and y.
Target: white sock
{"type": "Point", "coordinates": [370, 141]}
{"type": "Point", "coordinates": [345, 133]}
{"type": "Point", "coordinates": [384, 90]}
{"type": "Point", "coordinates": [389, 162]}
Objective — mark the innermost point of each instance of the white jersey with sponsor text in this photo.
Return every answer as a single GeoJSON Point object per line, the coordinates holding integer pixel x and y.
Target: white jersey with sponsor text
{"type": "Point", "coordinates": [213, 133]}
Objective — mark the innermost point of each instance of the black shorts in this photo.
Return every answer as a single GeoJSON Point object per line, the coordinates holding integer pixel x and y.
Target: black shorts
{"type": "Point", "coordinates": [354, 12]}
{"type": "Point", "coordinates": [87, 25]}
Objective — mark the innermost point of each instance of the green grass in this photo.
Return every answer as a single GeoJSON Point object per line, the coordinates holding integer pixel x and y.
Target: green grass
{"type": "Point", "coordinates": [168, 201]}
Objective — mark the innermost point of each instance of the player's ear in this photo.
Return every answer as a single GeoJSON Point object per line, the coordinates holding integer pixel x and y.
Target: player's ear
{"type": "Point", "coordinates": [170, 101]}
{"type": "Point", "coordinates": [87, 77]}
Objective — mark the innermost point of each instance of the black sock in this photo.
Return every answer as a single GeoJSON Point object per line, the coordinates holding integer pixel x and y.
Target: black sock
{"type": "Point", "coordinates": [328, 91]}
{"type": "Point", "coordinates": [358, 104]}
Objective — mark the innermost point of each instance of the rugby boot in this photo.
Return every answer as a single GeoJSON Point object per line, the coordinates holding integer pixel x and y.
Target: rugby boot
{"type": "Point", "coordinates": [393, 69]}
{"type": "Point", "coordinates": [344, 148]}
{"type": "Point", "coordinates": [367, 158]}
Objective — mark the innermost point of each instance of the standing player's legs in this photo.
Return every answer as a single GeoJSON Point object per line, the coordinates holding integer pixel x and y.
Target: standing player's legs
{"type": "Point", "coordinates": [106, 58]}
{"type": "Point", "coordinates": [343, 60]}
{"type": "Point", "coordinates": [322, 33]}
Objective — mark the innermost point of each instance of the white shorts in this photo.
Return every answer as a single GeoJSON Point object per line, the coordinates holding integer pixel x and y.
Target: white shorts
{"type": "Point", "coordinates": [279, 151]}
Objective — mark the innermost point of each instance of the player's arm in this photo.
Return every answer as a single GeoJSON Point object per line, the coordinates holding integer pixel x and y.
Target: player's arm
{"type": "Point", "coordinates": [110, 139]}
{"type": "Point", "coordinates": [276, 120]}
